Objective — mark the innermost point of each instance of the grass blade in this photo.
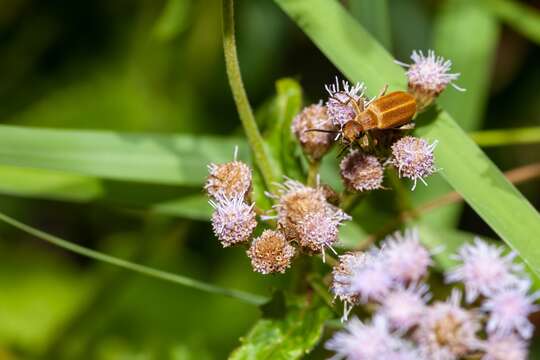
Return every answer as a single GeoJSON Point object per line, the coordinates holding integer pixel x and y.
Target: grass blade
{"type": "Point", "coordinates": [521, 17]}
{"type": "Point", "coordinates": [373, 15]}
{"type": "Point", "coordinates": [141, 269]}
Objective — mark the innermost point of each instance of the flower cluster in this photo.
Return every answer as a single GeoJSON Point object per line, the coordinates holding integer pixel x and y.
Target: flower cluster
{"type": "Point", "coordinates": [492, 323]}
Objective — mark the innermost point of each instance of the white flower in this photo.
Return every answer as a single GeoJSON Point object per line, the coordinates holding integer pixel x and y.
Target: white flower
{"type": "Point", "coordinates": [365, 341]}
{"type": "Point", "coordinates": [431, 73]}
{"type": "Point", "coordinates": [413, 158]}
{"type": "Point", "coordinates": [483, 269]}
{"type": "Point", "coordinates": [406, 259]}
{"type": "Point", "coordinates": [233, 220]}
{"type": "Point", "coordinates": [339, 105]}
{"type": "Point", "coordinates": [447, 331]}
{"type": "Point", "coordinates": [505, 348]}
{"type": "Point", "coordinates": [404, 306]}
{"type": "Point", "coordinates": [509, 309]}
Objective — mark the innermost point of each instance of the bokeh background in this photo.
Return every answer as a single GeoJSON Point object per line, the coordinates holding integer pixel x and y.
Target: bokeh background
{"type": "Point", "coordinates": [157, 66]}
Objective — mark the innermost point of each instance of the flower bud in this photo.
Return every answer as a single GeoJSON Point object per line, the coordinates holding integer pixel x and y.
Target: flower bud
{"type": "Point", "coordinates": [232, 179]}
{"type": "Point", "coordinates": [233, 220]}
{"type": "Point", "coordinates": [413, 157]}
{"type": "Point", "coordinates": [270, 253]}
{"type": "Point", "coordinates": [314, 143]}
{"type": "Point", "coordinates": [428, 77]}
{"type": "Point", "coordinates": [361, 172]}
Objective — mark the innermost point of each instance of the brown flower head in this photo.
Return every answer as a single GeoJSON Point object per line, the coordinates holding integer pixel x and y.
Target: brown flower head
{"type": "Point", "coordinates": [232, 179]}
{"type": "Point", "coordinates": [270, 253]}
{"type": "Point", "coordinates": [361, 172]}
{"type": "Point", "coordinates": [314, 143]}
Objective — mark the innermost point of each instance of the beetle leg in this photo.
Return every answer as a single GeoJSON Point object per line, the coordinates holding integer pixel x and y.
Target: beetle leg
{"type": "Point", "coordinates": [322, 130]}
{"type": "Point", "coordinates": [408, 126]}
{"type": "Point", "coordinates": [346, 147]}
{"type": "Point", "coordinates": [383, 91]}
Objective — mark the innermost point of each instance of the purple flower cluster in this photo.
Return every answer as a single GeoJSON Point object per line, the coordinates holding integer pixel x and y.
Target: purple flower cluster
{"type": "Point", "coordinates": [390, 281]}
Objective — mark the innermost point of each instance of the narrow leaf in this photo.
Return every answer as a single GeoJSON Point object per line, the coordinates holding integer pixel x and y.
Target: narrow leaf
{"type": "Point", "coordinates": [524, 19]}
{"type": "Point", "coordinates": [373, 15]}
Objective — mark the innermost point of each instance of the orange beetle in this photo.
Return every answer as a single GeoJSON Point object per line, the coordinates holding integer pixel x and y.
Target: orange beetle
{"type": "Point", "coordinates": [385, 112]}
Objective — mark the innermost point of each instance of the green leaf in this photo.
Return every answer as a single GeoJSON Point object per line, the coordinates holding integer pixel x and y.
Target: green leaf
{"type": "Point", "coordinates": [173, 20]}
{"type": "Point", "coordinates": [162, 159]}
{"type": "Point", "coordinates": [465, 167]}
{"type": "Point", "coordinates": [472, 57]}
{"type": "Point", "coordinates": [524, 19]}
{"type": "Point", "coordinates": [286, 337]}
{"type": "Point", "coordinates": [373, 15]}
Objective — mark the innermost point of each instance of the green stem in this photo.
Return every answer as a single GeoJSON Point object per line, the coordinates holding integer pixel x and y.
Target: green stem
{"type": "Point", "coordinates": [313, 171]}
{"type": "Point", "coordinates": [145, 270]}
{"type": "Point", "coordinates": [501, 137]}
{"type": "Point", "coordinates": [255, 140]}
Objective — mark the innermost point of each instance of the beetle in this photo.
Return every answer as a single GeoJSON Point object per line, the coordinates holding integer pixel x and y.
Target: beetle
{"type": "Point", "coordinates": [386, 111]}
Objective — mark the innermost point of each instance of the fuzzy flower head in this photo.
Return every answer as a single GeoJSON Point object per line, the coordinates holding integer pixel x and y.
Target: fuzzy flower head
{"type": "Point", "coordinates": [339, 105]}
{"type": "Point", "coordinates": [233, 220]}
{"type": "Point", "coordinates": [428, 76]}
{"type": "Point", "coordinates": [366, 341]}
{"type": "Point", "coordinates": [404, 306]}
{"type": "Point", "coordinates": [314, 143]}
{"type": "Point", "coordinates": [483, 269]}
{"type": "Point", "coordinates": [360, 277]}
{"type": "Point", "coordinates": [361, 172]}
{"type": "Point", "coordinates": [306, 217]}
{"type": "Point", "coordinates": [413, 157]}
{"type": "Point", "coordinates": [270, 253]}
{"type": "Point", "coordinates": [509, 309]}
{"type": "Point", "coordinates": [405, 258]}
{"type": "Point", "coordinates": [505, 348]}
{"type": "Point", "coordinates": [447, 331]}
{"type": "Point", "coordinates": [232, 179]}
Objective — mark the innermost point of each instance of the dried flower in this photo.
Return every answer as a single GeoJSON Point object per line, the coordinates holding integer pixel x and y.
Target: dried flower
{"type": "Point", "coordinates": [509, 309]}
{"type": "Point", "coordinates": [233, 220]}
{"type": "Point", "coordinates": [447, 331]}
{"type": "Point", "coordinates": [428, 77]}
{"type": "Point", "coordinates": [368, 341]}
{"type": "Point", "coordinates": [270, 253]}
{"type": "Point", "coordinates": [405, 258]}
{"type": "Point", "coordinates": [339, 106]}
{"type": "Point", "coordinates": [483, 269]}
{"type": "Point", "coordinates": [232, 179]}
{"type": "Point", "coordinates": [413, 157]}
{"type": "Point", "coordinates": [314, 143]}
{"type": "Point", "coordinates": [404, 306]}
{"type": "Point", "coordinates": [505, 348]}
{"type": "Point", "coordinates": [361, 172]}
{"type": "Point", "coordinates": [298, 206]}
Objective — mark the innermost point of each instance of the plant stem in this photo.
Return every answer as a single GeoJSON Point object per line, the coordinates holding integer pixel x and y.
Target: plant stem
{"type": "Point", "coordinates": [145, 270]}
{"type": "Point", "coordinates": [255, 140]}
{"type": "Point", "coordinates": [502, 137]}
{"type": "Point", "coordinates": [313, 172]}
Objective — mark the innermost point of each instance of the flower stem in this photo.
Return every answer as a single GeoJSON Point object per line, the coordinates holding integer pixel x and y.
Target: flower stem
{"type": "Point", "coordinates": [313, 172]}
{"type": "Point", "coordinates": [255, 140]}
{"type": "Point", "coordinates": [145, 270]}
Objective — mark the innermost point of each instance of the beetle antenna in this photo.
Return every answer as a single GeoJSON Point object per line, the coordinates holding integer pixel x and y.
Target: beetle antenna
{"type": "Point", "coordinates": [323, 131]}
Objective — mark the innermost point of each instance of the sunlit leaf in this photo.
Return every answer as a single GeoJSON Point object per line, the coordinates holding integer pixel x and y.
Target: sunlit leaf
{"type": "Point", "coordinates": [524, 19]}
{"type": "Point", "coordinates": [285, 336]}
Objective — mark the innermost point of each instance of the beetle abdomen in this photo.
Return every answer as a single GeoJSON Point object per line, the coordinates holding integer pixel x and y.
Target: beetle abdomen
{"type": "Point", "coordinates": [394, 109]}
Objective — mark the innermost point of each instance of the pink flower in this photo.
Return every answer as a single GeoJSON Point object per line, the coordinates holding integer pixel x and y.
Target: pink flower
{"type": "Point", "coordinates": [405, 306]}
{"type": "Point", "coordinates": [505, 348]}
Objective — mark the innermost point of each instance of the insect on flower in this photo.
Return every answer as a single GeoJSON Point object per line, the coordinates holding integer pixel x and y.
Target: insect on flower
{"type": "Point", "coordinates": [385, 111]}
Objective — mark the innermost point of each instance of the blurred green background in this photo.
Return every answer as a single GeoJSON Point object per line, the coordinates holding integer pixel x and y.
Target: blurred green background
{"type": "Point", "coordinates": [157, 67]}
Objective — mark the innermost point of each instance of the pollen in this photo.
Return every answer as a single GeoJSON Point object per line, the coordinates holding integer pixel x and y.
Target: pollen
{"type": "Point", "coordinates": [232, 179]}
{"type": "Point", "coordinates": [270, 253]}
{"type": "Point", "coordinates": [361, 172]}
{"type": "Point", "coordinates": [233, 220]}
{"type": "Point", "coordinates": [413, 157]}
{"type": "Point", "coordinates": [314, 143]}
